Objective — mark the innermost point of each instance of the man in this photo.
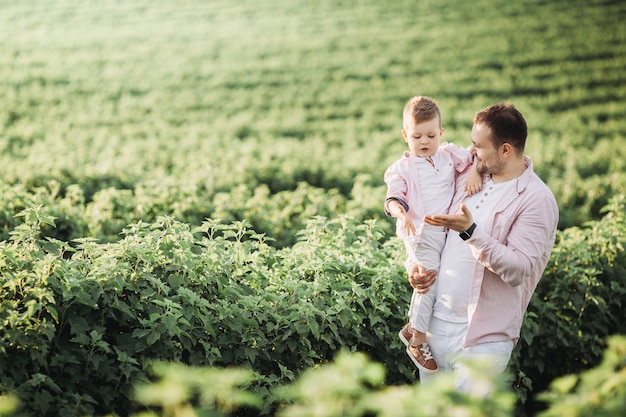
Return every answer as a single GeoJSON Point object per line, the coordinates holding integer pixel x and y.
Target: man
{"type": "Point", "coordinates": [498, 245]}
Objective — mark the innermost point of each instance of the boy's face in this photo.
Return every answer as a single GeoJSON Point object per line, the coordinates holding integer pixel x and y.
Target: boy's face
{"type": "Point", "coordinates": [423, 138]}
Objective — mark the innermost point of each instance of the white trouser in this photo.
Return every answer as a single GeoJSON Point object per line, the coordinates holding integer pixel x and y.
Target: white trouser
{"type": "Point", "coordinates": [421, 309]}
{"type": "Point", "coordinates": [446, 344]}
{"type": "Point", "coordinates": [426, 253]}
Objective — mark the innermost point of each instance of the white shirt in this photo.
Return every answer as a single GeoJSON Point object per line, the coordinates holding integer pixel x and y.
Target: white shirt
{"type": "Point", "coordinates": [457, 261]}
{"type": "Point", "coordinates": [437, 182]}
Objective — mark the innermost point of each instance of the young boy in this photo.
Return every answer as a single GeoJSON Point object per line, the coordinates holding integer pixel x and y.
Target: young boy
{"type": "Point", "coordinates": [422, 182]}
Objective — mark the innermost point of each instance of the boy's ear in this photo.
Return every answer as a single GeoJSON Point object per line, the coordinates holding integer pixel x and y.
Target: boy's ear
{"type": "Point", "coordinates": [404, 134]}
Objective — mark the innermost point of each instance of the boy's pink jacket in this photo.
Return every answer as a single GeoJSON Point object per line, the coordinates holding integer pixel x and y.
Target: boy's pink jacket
{"type": "Point", "coordinates": [403, 184]}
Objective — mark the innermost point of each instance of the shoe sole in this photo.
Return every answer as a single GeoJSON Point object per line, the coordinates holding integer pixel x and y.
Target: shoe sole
{"type": "Point", "coordinates": [419, 366]}
{"type": "Point", "coordinates": [404, 339]}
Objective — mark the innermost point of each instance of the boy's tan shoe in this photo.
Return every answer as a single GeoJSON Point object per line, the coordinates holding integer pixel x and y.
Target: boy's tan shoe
{"type": "Point", "coordinates": [419, 353]}
{"type": "Point", "coordinates": [422, 357]}
{"type": "Point", "coordinates": [405, 334]}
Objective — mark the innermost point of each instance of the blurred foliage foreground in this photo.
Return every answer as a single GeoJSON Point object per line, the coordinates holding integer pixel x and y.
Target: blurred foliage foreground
{"type": "Point", "coordinates": [84, 323]}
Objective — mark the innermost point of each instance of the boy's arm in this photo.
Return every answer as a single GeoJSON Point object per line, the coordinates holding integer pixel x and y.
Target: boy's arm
{"type": "Point", "coordinates": [397, 210]}
{"type": "Point", "coordinates": [474, 181]}
{"type": "Point", "coordinates": [395, 203]}
{"type": "Point", "coordinates": [462, 159]}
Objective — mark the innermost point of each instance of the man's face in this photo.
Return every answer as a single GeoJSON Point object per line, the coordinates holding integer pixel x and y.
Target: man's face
{"type": "Point", "coordinates": [487, 157]}
{"type": "Point", "coordinates": [423, 138]}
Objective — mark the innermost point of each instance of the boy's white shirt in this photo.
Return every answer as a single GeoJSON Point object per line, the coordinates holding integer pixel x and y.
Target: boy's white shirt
{"type": "Point", "coordinates": [424, 189]}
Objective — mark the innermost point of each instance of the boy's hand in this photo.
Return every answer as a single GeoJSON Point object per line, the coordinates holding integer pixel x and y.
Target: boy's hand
{"type": "Point", "coordinates": [398, 212]}
{"type": "Point", "coordinates": [408, 225]}
{"type": "Point", "coordinates": [474, 181]}
{"type": "Point", "coordinates": [471, 189]}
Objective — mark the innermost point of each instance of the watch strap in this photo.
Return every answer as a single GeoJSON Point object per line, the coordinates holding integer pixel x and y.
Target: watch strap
{"type": "Point", "coordinates": [468, 233]}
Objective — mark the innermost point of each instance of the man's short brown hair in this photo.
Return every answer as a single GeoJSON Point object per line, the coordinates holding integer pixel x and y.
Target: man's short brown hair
{"type": "Point", "coordinates": [506, 123]}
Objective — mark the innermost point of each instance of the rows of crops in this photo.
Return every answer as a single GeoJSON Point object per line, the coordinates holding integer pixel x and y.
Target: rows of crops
{"type": "Point", "coordinates": [195, 99]}
{"type": "Point", "coordinates": [279, 115]}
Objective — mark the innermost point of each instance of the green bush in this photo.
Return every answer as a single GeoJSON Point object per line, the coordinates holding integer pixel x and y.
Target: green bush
{"type": "Point", "coordinates": [598, 392]}
{"type": "Point", "coordinates": [134, 115]}
{"type": "Point", "coordinates": [352, 385]}
{"type": "Point", "coordinates": [83, 322]}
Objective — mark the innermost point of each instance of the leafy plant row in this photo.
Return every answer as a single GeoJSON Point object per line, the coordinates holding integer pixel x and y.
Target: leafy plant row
{"type": "Point", "coordinates": [83, 323]}
{"type": "Point", "coordinates": [103, 214]}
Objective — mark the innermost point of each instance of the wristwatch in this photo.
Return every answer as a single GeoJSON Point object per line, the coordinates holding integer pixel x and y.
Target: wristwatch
{"type": "Point", "coordinates": [468, 233]}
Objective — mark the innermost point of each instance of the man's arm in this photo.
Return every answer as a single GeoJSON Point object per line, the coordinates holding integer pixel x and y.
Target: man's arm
{"type": "Point", "coordinates": [530, 237]}
{"type": "Point", "coordinates": [527, 245]}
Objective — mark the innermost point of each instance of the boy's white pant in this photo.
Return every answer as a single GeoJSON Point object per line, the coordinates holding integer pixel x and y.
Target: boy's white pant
{"type": "Point", "coordinates": [421, 309]}
{"type": "Point", "coordinates": [428, 254]}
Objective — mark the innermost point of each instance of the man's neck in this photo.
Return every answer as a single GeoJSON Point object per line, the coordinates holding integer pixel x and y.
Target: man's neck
{"type": "Point", "coordinates": [512, 171]}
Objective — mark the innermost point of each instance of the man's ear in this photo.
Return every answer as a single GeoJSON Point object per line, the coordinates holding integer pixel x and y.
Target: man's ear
{"type": "Point", "coordinates": [507, 149]}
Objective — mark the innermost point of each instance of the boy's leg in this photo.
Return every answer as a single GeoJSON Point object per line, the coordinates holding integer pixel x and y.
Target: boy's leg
{"type": "Point", "coordinates": [418, 348]}
{"type": "Point", "coordinates": [427, 254]}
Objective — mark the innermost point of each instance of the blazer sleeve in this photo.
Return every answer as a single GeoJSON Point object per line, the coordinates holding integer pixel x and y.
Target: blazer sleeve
{"type": "Point", "coordinates": [519, 246]}
{"type": "Point", "coordinates": [396, 187]}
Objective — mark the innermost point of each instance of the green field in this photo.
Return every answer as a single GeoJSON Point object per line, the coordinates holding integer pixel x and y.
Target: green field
{"type": "Point", "coordinates": [196, 108]}
{"type": "Point", "coordinates": [284, 114]}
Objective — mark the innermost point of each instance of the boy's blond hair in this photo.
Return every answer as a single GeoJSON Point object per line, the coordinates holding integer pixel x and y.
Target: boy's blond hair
{"type": "Point", "coordinates": [420, 109]}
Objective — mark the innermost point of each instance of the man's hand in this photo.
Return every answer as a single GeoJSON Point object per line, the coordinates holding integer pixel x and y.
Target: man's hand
{"type": "Point", "coordinates": [420, 278]}
{"type": "Point", "coordinates": [458, 222]}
